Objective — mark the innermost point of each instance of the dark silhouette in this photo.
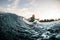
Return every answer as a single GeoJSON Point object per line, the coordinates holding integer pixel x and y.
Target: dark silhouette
{"type": "Point", "coordinates": [49, 20]}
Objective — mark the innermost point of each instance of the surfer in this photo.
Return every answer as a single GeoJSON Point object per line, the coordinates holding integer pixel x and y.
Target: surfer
{"type": "Point", "coordinates": [32, 19]}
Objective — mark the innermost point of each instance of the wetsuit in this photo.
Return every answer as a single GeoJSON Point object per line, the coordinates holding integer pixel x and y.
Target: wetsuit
{"type": "Point", "coordinates": [32, 19]}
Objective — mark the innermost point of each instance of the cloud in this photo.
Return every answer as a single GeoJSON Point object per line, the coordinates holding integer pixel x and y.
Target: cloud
{"type": "Point", "coordinates": [13, 3]}
{"type": "Point", "coordinates": [42, 9]}
{"type": "Point", "coordinates": [18, 11]}
{"type": "Point", "coordinates": [16, 3]}
{"type": "Point", "coordinates": [14, 9]}
{"type": "Point", "coordinates": [2, 9]}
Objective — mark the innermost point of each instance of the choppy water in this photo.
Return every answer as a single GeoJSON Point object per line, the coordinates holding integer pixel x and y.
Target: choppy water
{"type": "Point", "coordinates": [13, 27]}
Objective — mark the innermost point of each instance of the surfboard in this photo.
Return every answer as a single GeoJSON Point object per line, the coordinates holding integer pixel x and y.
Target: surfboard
{"type": "Point", "coordinates": [29, 23]}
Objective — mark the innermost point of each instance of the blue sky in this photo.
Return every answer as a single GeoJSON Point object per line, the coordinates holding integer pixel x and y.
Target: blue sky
{"type": "Point", "coordinates": [43, 9]}
{"type": "Point", "coordinates": [3, 3]}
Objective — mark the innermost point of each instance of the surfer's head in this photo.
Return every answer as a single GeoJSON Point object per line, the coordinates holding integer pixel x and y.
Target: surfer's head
{"type": "Point", "coordinates": [33, 16]}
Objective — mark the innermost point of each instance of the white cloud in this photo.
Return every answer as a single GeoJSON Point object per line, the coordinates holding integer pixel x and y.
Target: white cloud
{"type": "Point", "coordinates": [16, 3]}
{"type": "Point", "coordinates": [42, 9]}
{"type": "Point", "coordinates": [2, 9]}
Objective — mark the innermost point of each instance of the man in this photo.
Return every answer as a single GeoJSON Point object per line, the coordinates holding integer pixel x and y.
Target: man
{"type": "Point", "coordinates": [32, 19]}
